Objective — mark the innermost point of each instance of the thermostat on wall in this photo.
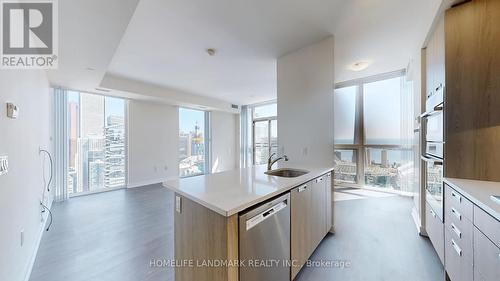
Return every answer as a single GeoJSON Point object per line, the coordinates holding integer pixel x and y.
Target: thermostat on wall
{"type": "Point", "coordinates": [12, 110]}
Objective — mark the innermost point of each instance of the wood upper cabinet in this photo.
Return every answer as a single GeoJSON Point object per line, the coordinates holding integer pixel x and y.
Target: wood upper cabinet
{"type": "Point", "coordinates": [435, 59]}
{"type": "Point", "coordinates": [472, 114]}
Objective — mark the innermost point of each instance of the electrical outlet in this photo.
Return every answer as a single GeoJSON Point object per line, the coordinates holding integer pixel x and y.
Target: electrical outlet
{"type": "Point", "coordinates": [166, 168]}
{"type": "Point", "coordinates": [155, 168]}
{"type": "Point", "coordinates": [22, 237]}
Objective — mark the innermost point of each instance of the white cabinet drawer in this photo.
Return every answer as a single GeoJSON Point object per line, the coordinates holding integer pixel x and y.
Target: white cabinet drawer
{"type": "Point", "coordinates": [457, 205]}
{"type": "Point", "coordinates": [488, 225]}
{"type": "Point", "coordinates": [461, 231]}
{"type": "Point", "coordinates": [486, 258]}
{"type": "Point", "coordinates": [458, 258]}
{"type": "Point", "coordinates": [435, 230]}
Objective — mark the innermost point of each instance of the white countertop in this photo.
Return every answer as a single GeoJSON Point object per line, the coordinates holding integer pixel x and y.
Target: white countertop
{"type": "Point", "coordinates": [479, 192]}
{"type": "Point", "coordinates": [231, 192]}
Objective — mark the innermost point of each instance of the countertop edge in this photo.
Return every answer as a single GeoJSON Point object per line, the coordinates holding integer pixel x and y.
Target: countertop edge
{"type": "Point", "coordinates": [473, 199]}
{"type": "Point", "coordinates": [229, 213]}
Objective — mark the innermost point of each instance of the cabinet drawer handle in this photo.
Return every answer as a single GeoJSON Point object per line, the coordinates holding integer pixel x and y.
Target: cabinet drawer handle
{"type": "Point", "coordinates": [456, 213]}
{"type": "Point", "coordinates": [455, 229]}
{"type": "Point", "coordinates": [433, 214]}
{"type": "Point", "coordinates": [302, 188]}
{"type": "Point", "coordinates": [455, 246]}
{"type": "Point", "coordinates": [457, 197]}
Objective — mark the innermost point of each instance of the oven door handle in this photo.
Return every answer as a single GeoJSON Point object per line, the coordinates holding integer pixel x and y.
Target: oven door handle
{"type": "Point", "coordinates": [436, 161]}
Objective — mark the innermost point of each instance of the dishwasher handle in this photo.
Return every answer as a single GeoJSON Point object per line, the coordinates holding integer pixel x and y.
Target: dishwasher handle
{"type": "Point", "coordinates": [261, 217]}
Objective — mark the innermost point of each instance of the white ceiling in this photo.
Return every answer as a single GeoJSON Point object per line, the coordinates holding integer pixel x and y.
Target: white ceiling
{"type": "Point", "coordinates": [163, 42]}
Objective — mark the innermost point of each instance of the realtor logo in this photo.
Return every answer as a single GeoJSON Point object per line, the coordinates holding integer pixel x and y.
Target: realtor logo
{"type": "Point", "coordinates": [29, 34]}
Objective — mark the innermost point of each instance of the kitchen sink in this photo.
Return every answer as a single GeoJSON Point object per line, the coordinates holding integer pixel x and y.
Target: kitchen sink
{"type": "Point", "coordinates": [286, 173]}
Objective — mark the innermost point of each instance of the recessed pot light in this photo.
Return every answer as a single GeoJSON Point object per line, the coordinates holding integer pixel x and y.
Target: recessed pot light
{"type": "Point", "coordinates": [360, 65]}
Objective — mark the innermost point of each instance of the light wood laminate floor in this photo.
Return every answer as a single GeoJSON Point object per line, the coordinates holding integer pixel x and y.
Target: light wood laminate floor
{"type": "Point", "coordinates": [114, 235]}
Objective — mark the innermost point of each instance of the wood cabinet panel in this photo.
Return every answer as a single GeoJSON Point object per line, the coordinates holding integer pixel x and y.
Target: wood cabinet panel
{"type": "Point", "coordinates": [201, 234]}
{"type": "Point", "coordinates": [310, 219]}
{"type": "Point", "coordinates": [301, 225]}
{"type": "Point", "coordinates": [319, 211]}
{"type": "Point", "coordinates": [473, 90]}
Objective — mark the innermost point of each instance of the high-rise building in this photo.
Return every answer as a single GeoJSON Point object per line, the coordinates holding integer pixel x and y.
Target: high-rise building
{"type": "Point", "coordinates": [114, 152]}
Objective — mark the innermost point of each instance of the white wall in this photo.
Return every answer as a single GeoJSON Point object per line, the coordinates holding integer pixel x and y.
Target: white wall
{"type": "Point", "coordinates": [21, 188]}
{"type": "Point", "coordinates": [153, 141]}
{"type": "Point", "coordinates": [305, 104]}
{"type": "Point", "coordinates": [225, 141]}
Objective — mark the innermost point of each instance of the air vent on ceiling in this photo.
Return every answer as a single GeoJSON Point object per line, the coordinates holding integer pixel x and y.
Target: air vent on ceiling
{"type": "Point", "coordinates": [103, 90]}
{"type": "Point", "coordinates": [234, 106]}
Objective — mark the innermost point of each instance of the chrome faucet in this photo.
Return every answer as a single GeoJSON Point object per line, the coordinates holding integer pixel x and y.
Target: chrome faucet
{"type": "Point", "coordinates": [270, 162]}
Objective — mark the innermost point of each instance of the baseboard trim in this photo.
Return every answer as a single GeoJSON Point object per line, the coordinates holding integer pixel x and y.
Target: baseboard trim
{"type": "Point", "coordinates": [149, 182]}
{"type": "Point", "coordinates": [41, 231]}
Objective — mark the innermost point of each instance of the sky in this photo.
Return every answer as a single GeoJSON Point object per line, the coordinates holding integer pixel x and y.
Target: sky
{"type": "Point", "coordinates": [189, 117]}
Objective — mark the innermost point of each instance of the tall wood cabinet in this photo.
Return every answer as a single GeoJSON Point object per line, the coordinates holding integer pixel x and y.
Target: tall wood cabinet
{"type": "Point", "coordinates": [435, 59]}
{"type": "Point", "coordinates": [473, 91]}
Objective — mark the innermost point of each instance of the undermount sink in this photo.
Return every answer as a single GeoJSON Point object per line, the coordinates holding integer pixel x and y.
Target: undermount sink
{"type": "Point", "coordinates": [286, 173]}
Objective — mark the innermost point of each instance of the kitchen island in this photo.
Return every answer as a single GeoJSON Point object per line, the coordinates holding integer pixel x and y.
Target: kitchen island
{"type": "Point", "coordinates": [208, 230]}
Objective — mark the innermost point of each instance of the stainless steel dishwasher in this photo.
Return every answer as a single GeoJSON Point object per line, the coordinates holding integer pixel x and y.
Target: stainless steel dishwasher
{"type": "Point", "coordinates": [265, 241]}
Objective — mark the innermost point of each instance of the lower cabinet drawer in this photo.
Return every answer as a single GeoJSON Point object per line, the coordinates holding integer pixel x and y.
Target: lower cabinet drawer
{"type": "Point", "coordinates": [487, 225]}
{"type": "Point", "coordinates": [486, 258]}
{"type": "Point", "coordinates": [461, 231]}
{"type": "Point", "coordinates": [435, 230]}
{"type": "Point", "coordinates": [458, 257]}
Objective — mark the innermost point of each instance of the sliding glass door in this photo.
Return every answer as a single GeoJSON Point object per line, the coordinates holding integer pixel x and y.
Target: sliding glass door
{"type": "Point", "coordinates": [96, 143]}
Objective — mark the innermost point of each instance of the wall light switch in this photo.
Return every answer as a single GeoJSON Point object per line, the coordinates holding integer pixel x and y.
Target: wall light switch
{"type": "Point", "coordinates": [4, 165]}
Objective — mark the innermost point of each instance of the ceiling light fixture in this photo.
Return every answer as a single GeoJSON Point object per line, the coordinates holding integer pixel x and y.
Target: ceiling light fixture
{"type": "Point", "coordinates": [360, 65]}
{"type": "Point", "coordinates": [211, 52]}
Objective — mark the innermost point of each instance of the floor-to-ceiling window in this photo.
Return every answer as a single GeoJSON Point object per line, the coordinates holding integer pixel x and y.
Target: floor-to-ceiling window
{"type": "Point", "coordinates": [194, 148]}
{"type": "Point", "coordinates": [96, 143]}
{"type": "Point", "coordinates": [370, 145]}
{"type": "Point", "coordinates": [265, 132]}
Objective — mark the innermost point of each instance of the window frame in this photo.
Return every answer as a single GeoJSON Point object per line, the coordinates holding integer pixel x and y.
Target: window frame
{"type": "Point", "coordinates": [360, 147]}
{"type": "Point", "coordinates": [126, 133]}
{"type": "Point", "coordinates": [269, 119]}
{"type": "Point", "coordinates": [207, 142]}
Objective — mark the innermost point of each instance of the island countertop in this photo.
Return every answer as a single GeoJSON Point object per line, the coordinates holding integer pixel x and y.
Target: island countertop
{"type": "Point", "coordinates": [231, 192]}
